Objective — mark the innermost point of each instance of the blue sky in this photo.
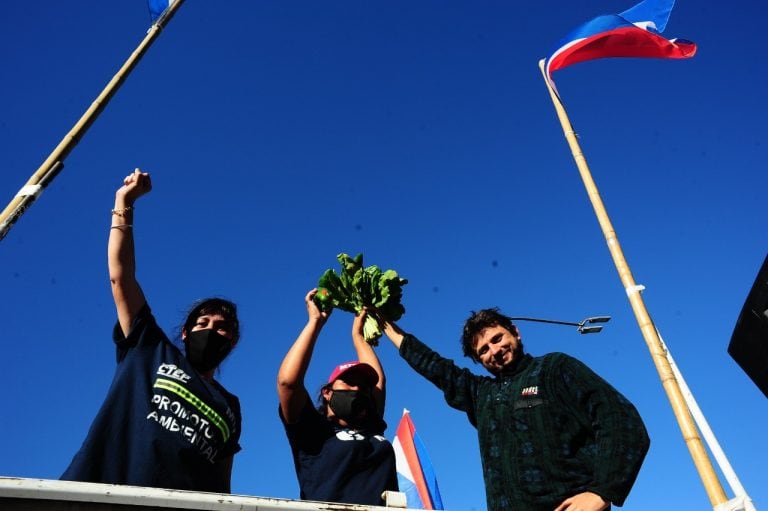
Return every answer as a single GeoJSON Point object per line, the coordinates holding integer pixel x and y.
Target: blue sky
{"type": "Point", "coordinates": [421, 134]}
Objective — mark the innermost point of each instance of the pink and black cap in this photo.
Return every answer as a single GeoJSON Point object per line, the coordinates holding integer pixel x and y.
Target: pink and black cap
{"type": "Point", "coordinates": [360, 369]}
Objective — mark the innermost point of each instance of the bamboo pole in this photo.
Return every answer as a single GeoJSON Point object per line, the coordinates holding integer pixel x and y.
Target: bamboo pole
{"type": "Point", "coordinates": [55, 161]}
{"type": "Point", "coordinates": [691, 435]}
{"type": "Point", "coordinates": [741, 500]}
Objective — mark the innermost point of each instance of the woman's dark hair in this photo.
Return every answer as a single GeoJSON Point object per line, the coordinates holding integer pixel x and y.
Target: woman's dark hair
{"type": "Point", "coordinates": [479, 321]}
{"type": "Point", "coordinates": [214, 306]}
{"type": "Point", "coordinates": [322, 403]}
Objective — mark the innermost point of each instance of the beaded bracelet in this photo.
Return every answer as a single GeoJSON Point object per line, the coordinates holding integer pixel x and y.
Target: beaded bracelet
{"type": "Point", "coordinates": [123, 211]}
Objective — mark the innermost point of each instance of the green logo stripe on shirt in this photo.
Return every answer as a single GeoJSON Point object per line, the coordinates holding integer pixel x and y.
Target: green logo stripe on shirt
{"type": "Point", "coordinates": [195, 401]}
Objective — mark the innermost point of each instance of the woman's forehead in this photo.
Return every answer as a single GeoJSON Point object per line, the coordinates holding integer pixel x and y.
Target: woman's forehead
{"type": "Point", "coordinates": [213, 317]}
{"type": "Point", "coordinates": [357, 380]}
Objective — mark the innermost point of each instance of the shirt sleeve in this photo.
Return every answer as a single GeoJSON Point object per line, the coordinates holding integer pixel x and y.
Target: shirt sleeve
{"type": "Point", "coordinates": [620, 435]}
{"type": "Point", "coordinates": [234, 404]}
{"type": "Point", "coordinates": [308, 431]}
{"type": "Point", "coordinates": [459, 385]}
{"type": "Point", "coordinates": [144, 331]}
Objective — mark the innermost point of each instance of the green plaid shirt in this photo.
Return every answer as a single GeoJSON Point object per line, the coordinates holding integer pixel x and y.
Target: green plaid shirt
{"type": "Point", "coordinates": [549, 428]}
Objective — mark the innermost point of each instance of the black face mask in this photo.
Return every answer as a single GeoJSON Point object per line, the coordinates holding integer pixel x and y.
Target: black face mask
{"type": "Point", "coordinates": [350, 404]}
{"type": "Point", "coordinates": [206, 349]}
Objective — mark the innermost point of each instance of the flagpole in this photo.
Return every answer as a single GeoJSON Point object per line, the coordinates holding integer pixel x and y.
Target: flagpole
{"type": "Point", "coordinates": [741, 500]}
{"type": "Point", "coordinates": [703, 464]}
{"type": "Point", "coordinates": [52, 165]}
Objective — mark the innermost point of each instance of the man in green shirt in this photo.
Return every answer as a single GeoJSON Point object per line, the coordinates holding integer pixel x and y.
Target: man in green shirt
{"type": "Point", "coordinates": [553, 435]}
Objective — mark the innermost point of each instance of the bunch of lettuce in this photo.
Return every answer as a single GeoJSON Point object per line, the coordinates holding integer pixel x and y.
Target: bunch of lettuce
{"type": "Point", "coordinates": [357, 287]}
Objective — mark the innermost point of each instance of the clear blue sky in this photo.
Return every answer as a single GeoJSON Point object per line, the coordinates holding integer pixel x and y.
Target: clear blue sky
{"type": "Point", "coordinates": [279, 134]}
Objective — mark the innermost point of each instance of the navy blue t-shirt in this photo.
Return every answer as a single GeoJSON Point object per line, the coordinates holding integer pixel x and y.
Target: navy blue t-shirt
{"type": "Point", "coordinates": [334, 464]}
{"type": "Point", "coordinates": [161, 425]}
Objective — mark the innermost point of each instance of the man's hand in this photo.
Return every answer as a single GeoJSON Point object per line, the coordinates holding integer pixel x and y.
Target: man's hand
{"type": "Point", "coordinates": [586, 501]}
{"type": "Point", "coordinates": [392, 331]}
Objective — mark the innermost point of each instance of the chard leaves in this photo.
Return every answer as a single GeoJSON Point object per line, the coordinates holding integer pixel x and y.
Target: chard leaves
{"type": "Point", "coordinates": [356, 287]}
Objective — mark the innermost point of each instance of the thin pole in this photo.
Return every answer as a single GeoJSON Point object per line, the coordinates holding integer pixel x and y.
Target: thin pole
{"type": "Point", "coordinates": [682, 414]}
{"type": "Point", "coordinates": [55, 161]}
{"type": "Point", "coordinates": [741, 501]}
{"type": "Point", "coordinates": [551, 321]}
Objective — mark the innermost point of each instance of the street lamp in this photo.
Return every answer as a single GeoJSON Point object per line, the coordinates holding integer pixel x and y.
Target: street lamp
{"type": "Point", "coordinates": [585, 326]}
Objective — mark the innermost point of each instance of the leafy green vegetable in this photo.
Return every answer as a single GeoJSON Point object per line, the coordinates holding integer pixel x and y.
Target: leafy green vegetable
{"type": "Point", "coordinates": [323, 299]}
{"type": "Point", "coordinates": [356, 287]}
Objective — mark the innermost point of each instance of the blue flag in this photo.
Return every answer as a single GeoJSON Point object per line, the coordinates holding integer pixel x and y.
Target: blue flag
{"type": "Point", "coordinates": [157, 8]}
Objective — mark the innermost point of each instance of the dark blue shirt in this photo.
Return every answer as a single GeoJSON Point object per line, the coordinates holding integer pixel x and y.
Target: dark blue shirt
{"type": "Point", "coordinates": [161, 424]}
{"type": "Point", "coordinates": [334, 464]}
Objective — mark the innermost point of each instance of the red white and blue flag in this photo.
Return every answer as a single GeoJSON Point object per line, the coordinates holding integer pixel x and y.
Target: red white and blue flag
{"type": "Point", "coordinates": [415, 474]}
{"type": "Point", "coordinates": [635, 32]}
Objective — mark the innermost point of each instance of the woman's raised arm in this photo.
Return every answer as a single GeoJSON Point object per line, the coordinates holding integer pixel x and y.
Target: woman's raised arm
{"type": "Point", "coordinates": [127, 293]}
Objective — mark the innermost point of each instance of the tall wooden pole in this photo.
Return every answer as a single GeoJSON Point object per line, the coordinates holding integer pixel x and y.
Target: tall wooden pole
{"type": "Point", "coordinates": [55, 161]}
{"type": "Point", "coordinates": [687, 426]}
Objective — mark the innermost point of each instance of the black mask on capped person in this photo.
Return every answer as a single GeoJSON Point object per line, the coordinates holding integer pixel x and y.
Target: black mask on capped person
{"type": "Point", "coordinates": [350, 404]}
{"type": "Point", "coordinates": [206, 349]}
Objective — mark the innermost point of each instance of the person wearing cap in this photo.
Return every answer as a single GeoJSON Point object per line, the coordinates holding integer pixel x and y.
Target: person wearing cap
{"type": "Point", "coordinates": [553, 435]}
{"type": "Point", "coordinates": [339, 451]}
